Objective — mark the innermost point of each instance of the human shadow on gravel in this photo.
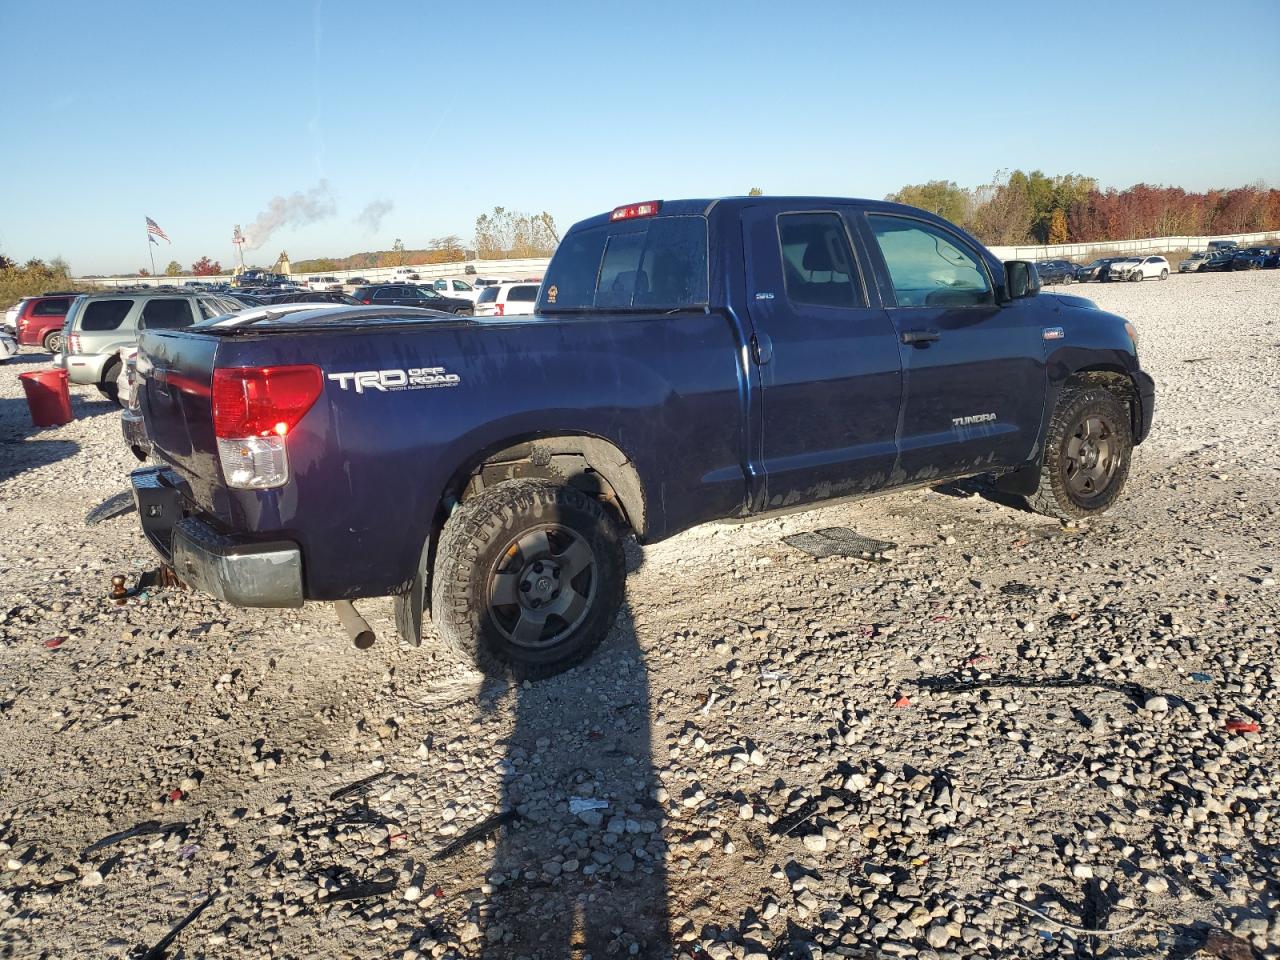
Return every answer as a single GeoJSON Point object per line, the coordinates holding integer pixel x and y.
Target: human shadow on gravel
{"type": "Point", "coordinates": [592, 882]}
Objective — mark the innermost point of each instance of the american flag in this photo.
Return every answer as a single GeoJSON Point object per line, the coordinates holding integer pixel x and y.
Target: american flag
{"type": "Point", "coordinates": [153, 228]}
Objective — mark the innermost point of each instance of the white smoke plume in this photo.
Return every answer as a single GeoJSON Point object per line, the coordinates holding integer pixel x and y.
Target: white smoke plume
{"type": "Point", "coordinates": [295, 210]}
{"type": "Point", "coordinates": [371, 216]}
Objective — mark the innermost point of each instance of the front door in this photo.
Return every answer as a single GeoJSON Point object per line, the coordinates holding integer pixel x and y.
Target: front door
{"type": "Point", "coordinates": [828, 359]}
{"type": "Point", "coordinates": [973, 370]}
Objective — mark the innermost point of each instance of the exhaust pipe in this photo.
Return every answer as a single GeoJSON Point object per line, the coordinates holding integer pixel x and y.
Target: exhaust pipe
{"type": "Point", "coordinates": [357, 627]}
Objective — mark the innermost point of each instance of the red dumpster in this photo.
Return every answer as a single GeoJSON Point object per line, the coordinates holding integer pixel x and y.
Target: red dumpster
{"type": "Point", "coordinates": [48, 398]}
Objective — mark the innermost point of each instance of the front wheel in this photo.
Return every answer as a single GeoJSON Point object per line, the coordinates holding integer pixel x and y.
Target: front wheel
{"type": "Point", "coordinates": [1068, 279]}
{"type": "Point", "coordinates": [1164, 274]}
{"type": "Point", "coordinates": [1135, 275]}
{"type": "Point", "coordinates": [1086, 458]}
{"type": "Point", "coordinates": [529, 578]}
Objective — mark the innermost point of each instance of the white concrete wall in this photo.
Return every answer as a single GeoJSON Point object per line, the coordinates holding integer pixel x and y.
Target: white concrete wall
{"type": "Point", "coordinates": [1088, 251]}
{"type": "Point", "coordinates": [510, 269]}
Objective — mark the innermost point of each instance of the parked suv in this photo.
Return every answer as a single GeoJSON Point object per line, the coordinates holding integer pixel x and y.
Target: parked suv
{"type": "Point", "coordinates": [455, 287]}
{"type": "Point", "coordinates": [408, 295]}
{"type": "Point", "coordinates": [100, 325]}
{"type": "Point", "coordinates": [39, 320]}
{"type": "Point", "coordinates": [1148, 267]}
{"type": "Point", "coordinates": [506, 300]}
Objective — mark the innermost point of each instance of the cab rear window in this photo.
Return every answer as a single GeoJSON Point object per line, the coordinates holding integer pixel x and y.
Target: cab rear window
{"type": "Point", "coordinates": [658, 263]}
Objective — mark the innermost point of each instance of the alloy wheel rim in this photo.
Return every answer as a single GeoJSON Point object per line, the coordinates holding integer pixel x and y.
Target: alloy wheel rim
{"type": "Point", "coordinates": [542, 586]}
{"type": "Point", "coordinates": [1091, 461]}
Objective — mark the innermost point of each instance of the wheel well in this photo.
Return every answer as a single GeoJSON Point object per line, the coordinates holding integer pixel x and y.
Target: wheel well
{"type": "Point", "coordinates": [594, 466]}
{"type": "Point", "coordinates": [1109, 378]}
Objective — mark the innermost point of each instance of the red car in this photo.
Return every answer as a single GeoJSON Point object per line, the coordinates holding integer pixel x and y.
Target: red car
{"type": "Point", "coordinates": [41, 318]}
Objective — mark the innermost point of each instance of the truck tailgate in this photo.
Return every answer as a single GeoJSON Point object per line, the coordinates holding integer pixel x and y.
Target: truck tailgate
{"type": "Point", "coordinates": [175, 387]}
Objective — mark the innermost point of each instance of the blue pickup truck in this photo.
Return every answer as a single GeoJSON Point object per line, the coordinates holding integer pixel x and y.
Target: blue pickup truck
{"type": "Point", "coordinates": [688, 361]}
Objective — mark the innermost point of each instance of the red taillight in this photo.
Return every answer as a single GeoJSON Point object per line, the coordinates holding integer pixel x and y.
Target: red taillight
{"type": "Point", "coordinates": [263, 401]}
{"type": "Point", "coordinates": [499, 309]}
{"type": "Point", "coordinates": [73, 343]}
{"type": "Point", "coordinates": [632, 210]}
{"type": "Point", "coordinates": [366, 301]}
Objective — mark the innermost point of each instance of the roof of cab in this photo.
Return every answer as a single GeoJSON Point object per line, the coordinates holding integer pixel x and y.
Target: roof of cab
{"type": "Point", "coordinates": [703, 207]}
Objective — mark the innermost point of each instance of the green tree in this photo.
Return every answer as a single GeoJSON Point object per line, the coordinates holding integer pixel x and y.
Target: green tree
{"type": "Point", "coordinates": [174, 269]}
{"type": "Point", "coordinates": [942, 197]}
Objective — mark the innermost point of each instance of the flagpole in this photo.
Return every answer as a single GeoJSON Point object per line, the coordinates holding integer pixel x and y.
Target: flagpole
{"type": "Point", "coordinates": [151, 250]}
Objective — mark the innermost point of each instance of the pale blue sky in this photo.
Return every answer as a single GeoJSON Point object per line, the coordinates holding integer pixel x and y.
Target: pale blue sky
{"type": "Point", "coordinates": [199, 114]}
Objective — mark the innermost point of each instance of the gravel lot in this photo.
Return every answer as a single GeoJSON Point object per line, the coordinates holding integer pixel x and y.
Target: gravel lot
{"type": "Point", "coordinates": [765, 760]}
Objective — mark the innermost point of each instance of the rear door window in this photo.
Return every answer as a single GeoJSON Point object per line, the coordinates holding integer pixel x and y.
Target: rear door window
{"type": "Point", "coordinates": [164, 313]}
{"type": "Point", "coordinates": [817, 260]}
{"type": "Point", "coordinates": [526, 294]}
{"type": "Point", "coordinates": [50, 308]}
{"type": "Point", "coordinates": [487, 295]}
{"type": "Point", "coordinates": [104, 315]}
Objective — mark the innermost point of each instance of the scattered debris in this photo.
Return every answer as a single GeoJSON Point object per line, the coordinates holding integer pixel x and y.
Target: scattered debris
{"type": "Point", "coordinates": [1015, 589]}
{"type": "Point", "coordinates": [1224, 946]}
{"type": "Point", "coordinates": [53, 643]}
{"type": "Point", "coordinates": [158, 951]}
{"type": "Point", "coordinates": [146, 828]}
{"type": "Point", "coordinates": [1070, 928]}
{"type": "Point", "coordinates": [1242, 726]}
{"type": "Point", "coordinates": [483, 829]}
{"type": "Point", "coordinates": [583, 804]}
{"type": "Point", "coordinates": [1138, 693]}
{"type": "Point", "coordinates": [383, 883]}
{"type": "Point", "coordinates": [1202, 678]}
{"type": "Point", "coordinates": [116, 505]}
{"type": "Point", "coordinates": [359, 786]}
{"type": "Point", "coordinates": [902, 702]}
{"type": "Point", "coordinates": [840, 542]}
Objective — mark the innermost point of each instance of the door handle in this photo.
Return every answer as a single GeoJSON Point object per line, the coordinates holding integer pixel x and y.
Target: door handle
{"type": "Point", "coordinates": [920, 336]}
{"type": "Point", "coordinates": [761, 348]}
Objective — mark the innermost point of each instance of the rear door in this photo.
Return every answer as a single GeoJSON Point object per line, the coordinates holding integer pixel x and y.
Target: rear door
{"type": "Point", "coordinates": [973, 370]}
{"type": "Point", "coordinates": [827, 355]}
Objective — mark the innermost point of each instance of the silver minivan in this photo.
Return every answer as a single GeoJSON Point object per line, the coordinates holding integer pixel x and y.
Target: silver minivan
{"type": "Point", "coordinates": [100, 325]}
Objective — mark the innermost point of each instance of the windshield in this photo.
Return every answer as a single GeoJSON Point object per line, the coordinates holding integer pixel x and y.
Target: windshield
{"type": "Point", "coordinates": [657, 263]}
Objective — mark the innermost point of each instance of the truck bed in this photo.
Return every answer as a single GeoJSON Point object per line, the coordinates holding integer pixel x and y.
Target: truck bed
{"type": "Point", "coordinates": [370, 460]}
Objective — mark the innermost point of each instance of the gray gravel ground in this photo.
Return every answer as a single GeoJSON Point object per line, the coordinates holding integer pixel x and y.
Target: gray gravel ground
{"type": "Point", "coordinates": [764, 761]}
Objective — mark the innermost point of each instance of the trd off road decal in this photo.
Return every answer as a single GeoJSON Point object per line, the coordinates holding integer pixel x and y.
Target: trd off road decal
{"type": "Point", "coordinates": [390, 381]}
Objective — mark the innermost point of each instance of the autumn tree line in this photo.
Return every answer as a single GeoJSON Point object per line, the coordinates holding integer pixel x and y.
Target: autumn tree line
{"type": "Point", "coordinates": [500, 235]}
{"type": "Point", "coordinates": [1025, 208]}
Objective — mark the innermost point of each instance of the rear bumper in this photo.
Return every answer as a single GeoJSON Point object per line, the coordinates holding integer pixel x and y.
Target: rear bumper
{"type": "Point", "coordinates": [1146, 405]}
{"type": "Point", "coordinates": [135, 433]}
{"type": "Point", "coordinates": [246, 573]}
{"type": "Point", "coordinates": [86, 368]}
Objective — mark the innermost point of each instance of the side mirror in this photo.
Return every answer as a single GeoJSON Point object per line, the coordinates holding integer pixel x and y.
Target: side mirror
{"type": "Point", "coordinates": [1020, 279]}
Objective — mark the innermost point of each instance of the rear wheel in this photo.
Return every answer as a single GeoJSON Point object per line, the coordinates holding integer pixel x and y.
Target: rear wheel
{"type": "Point", "coordinates": [53, 341]}
{"type": "Point", "coordinates": [108, 386]}
{"type": "Point", "coordinates": [529, 577]}
{"type": "Point", "coordinates": [1086, 459]}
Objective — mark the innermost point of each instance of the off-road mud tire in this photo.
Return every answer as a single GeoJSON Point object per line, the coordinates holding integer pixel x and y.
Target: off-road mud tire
{"type": "Point", "coordinates": [1057, 495]}
{"type": "Point", "coordinates": [474, 541]}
